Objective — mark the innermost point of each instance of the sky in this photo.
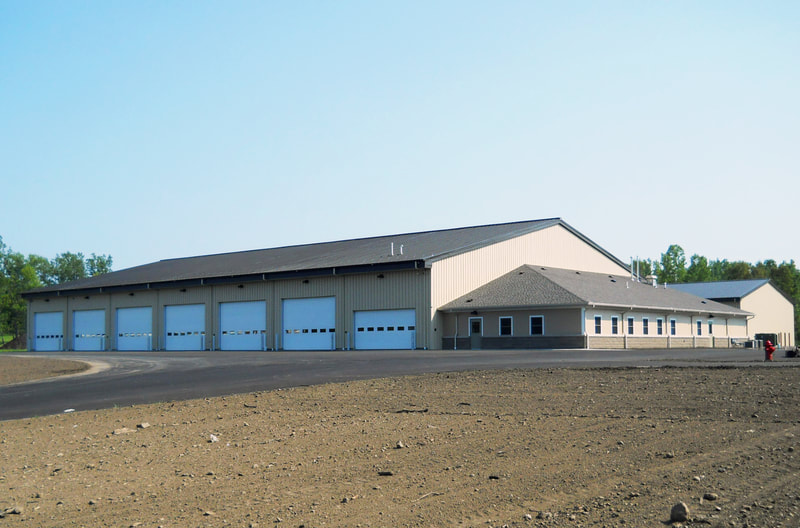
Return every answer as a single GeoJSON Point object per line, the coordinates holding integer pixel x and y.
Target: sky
{"type": "Point", "coordinates": [149, 130]}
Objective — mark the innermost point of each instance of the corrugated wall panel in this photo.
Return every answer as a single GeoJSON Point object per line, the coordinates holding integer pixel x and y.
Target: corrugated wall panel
{"type": "Point", "coordinates": [396, 290]}
{"type": "Point", "coordinates": [555, 247]}
{"type": "Point", "coordinates": [774, 313]}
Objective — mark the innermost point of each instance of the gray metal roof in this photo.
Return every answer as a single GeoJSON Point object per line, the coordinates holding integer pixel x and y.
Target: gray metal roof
{"type": "Point", "coordinates": [535, 286]}
{"type": "Point", "coordinates": [411, 250]}
{"type": "Point", "coordinates": [722, 289]}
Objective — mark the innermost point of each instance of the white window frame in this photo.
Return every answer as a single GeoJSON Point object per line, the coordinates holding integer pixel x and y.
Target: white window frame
{"type": "Point", "coordinates": [615, 325]}
{"type": "Point", "coordinates": [598, 324]}
{"type": "Point", "coordinates": [699, 327]}
{"type": "Point", "coordinates": [710, 327]}
{"type": "Point", "coordinates": [645, 326]}
{"type": "Point", "coordinates": [530, 324]}
{"type": "Point", "coordinates": [630, 326]}
{"type": "Point", "coordinates": [470, 324]}
{"type": "Point", "coordinates": [659, 326]}
{"type": "Point", "coordinates": [673, 327]}
{"type": "Point", "coordinates": [500, 325]}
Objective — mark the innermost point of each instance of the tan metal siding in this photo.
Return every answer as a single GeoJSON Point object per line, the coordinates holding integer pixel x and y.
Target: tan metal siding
{"type": "Point", "coordinates": [396, 290]}
{"type": "Point", "coordinates": [554, 247]}
{"type": "Point", "coordinates": [773, 314]}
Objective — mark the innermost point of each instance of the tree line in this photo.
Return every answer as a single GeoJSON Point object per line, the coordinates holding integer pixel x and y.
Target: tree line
{"type": "Point", "coordinates": [19, 273]}
{"type": "Point", "coordinates": [673, 268]}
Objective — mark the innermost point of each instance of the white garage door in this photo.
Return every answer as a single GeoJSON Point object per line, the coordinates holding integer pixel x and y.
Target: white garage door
{"type": "Point", "coordinates": [309, 324]}
{"type": "Point", "coordinates": [185, 327]}
{"type": "Point", "coordinates": [48, 330]}
{"type": "Point", "coordinates": [243, 325]}
{"type": "Point", "coordinates": [89, 329]}
{"type": "Point", "coordinates": [385, 329]}
{"type": "Point", "coordinates": [135, 328]}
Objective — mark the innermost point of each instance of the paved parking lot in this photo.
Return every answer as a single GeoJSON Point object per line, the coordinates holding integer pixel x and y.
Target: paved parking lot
{"type": "Point", "coordinates": [146, 377]}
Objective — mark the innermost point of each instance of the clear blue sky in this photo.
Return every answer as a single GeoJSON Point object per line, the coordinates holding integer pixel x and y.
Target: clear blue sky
{"type": "Point", "coordinates": [149, 130]}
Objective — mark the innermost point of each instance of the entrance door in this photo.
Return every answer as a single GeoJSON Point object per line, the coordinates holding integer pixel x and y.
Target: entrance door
{"type": "Point", "coordinates": [48, 329]}
{"type": "Point", "coordinates": [135, 328]}
{"type": "Point", "coordinates": [475, 332]}
{"type": "Point", "coordinates": [185, 326]}
{"type": "Point", "coordinates": [243, 325]}
{"type": "Point", "coordinates": [385, 330]}
{"type": "Point", "coordinates": [309, 324]}
{"type": "Point", "coordinates": [89, 329]}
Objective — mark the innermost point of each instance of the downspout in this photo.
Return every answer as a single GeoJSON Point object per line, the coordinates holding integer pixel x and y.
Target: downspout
{"type": "Point", "coordinates": [455, 336]}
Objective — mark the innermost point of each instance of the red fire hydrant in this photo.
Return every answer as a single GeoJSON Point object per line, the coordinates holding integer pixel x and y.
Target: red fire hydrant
{"type": "Point", "coordinates": [769, 349]}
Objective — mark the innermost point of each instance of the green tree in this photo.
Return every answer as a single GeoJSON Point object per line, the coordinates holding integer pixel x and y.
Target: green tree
{"type": "Point", "coordinates": [98, 264]}
{"type": "Point", "coordinates": [44, 269]}
{"type": "Point", "coordinates": [763, 270]}
{"type": "Point", "coordinates": [698, 271]}
{"type": "Point", "coordinates": [673, 265]}
{"type": "Point", "coordinates": [737, 271]}
{"type": "Point", "coordinates": [68, 267]}
{"type": "Point", "coordinates": [643, 267]}
{"type": "Point", "coordinates": [717, 269]}
{"type": "Point", "coordinates": [18, 276]}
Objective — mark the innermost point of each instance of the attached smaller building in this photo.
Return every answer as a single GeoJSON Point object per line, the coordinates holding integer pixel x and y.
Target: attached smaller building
{"type": "Point", "coordinates": [773, 310]}
{"type": "Point", "coordinates": [543, 307]}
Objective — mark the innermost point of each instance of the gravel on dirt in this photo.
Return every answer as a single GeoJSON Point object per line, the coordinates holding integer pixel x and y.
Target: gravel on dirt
{"type": "Point", "coordinates": [518, 448]}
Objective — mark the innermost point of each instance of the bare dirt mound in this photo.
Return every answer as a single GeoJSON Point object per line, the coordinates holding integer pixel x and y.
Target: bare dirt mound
{"type": "Point", "coordinates": [548, 448]}
{"type": "Point", "coordinates": [16, 369]}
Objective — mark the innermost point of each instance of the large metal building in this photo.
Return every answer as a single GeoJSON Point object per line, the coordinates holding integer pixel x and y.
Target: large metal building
{"type": "Point", "coordinates": [529, 284]}
{"type": "Point", "coordinates": [773, 310]}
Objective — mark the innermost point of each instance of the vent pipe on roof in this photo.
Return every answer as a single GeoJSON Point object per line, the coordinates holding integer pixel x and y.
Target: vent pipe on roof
{"type": "Point", "coordinates": [391, 249]}
{"type": "Point", "coordinates": [401, 249]}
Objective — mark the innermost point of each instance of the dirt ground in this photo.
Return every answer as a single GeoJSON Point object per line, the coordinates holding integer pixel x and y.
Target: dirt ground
{"type": "Point", "coordinates": [14, 369]}
{"type": "Point", "coordinates": [520, 448]}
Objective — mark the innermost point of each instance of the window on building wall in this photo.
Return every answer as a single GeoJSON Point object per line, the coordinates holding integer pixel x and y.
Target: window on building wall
{"type": "Point", "coordinates": [506, 326]}
{"type": "Point", "coordinates": [660, 326]}
{"type": "Point", "coordinates": [615, 325]}
{"type": "Point", "coordinates": [476, 326]}
{"type": "Point", "coordinates": [673, 327]}
{"type": "Point", "coordinates": [710, 327]}
{"type": "Point", "coordinates": [699, 327]}
{"type": "Point", "coordinates": [598, 324]}
{"type": "Point", "coordinates": [537, 325]}
{"type": "Point", "coordinates": [630, 325]}
{"type": "Point", "coordinates": [645, 326]}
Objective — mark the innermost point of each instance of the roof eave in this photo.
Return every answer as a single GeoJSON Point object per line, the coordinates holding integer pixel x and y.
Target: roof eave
{"type": "Point", "coordinates": [214, 280]}
{"type": "Point", "coordinates": [643, 308]}
{"type": "Point", "coordinates": [496, 308]}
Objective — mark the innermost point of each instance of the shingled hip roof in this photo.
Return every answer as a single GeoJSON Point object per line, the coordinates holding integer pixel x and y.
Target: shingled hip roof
{"type": "Point", "coordinates": [535, 286]}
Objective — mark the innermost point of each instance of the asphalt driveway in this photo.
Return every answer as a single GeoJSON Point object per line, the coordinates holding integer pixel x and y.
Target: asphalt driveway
{"type": "Point", "coordinates": [146, 377]}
